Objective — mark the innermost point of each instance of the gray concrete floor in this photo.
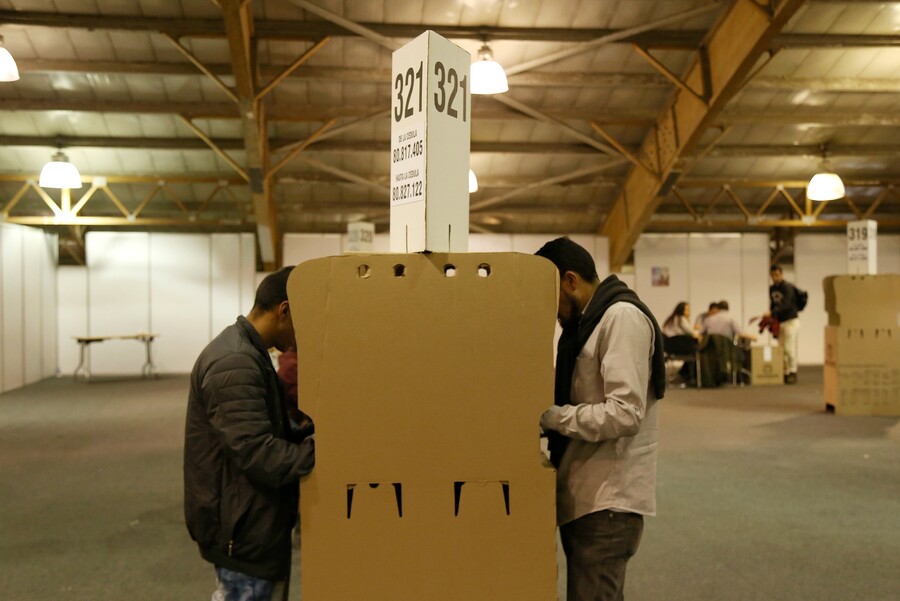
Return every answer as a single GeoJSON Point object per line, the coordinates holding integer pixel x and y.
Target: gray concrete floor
{"type": "Point", "coordinates": [762, 496]}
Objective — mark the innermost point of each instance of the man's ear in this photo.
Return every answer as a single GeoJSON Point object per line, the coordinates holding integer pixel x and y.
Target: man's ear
{"type": "Point", "coordinates": [284, 309]}
{"type": "Point", "coordinates": [570, 280]}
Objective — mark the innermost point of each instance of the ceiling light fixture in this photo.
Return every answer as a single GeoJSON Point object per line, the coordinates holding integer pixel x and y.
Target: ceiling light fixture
{"type": "Point", "coordinates": [488, 77]}
{"type": "Point", "coordinates": [473, 182]}
{"type": "Point", "coordinates": [60, 173]}
{"type": "Point", "coordinates": [8, 69]}
{"type": "Point", "coordinates": [825, 185]}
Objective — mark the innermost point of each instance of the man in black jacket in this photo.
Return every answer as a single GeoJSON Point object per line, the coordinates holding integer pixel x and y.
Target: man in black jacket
{"type": "Point", "coordinates": [241, 466]}
{"type": "Point", "coordinates": [783, 306]}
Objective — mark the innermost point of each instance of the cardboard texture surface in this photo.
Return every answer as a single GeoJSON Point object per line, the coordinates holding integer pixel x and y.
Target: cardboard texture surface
{"type": "Point", "coordinates": [862, 370]}
{"type": "Point", "coordinates": [862, 300]}
{"type": "Point", "coordinates": [426, 387]}
{"type": "Point", "coordinates": [766, 365]}
{"type": "Point", "coordinates": [862, 345]}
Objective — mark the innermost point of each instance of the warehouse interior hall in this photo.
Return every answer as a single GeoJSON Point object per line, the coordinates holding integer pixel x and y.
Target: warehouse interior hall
{"type": "Point", "coordinates": [160, 159]}
{"type": "Point", "coordinates": [761, 497]}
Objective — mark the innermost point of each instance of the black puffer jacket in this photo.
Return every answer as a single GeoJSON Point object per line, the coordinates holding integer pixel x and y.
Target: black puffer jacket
{"type": "Point", "coordinates": [241, 471]}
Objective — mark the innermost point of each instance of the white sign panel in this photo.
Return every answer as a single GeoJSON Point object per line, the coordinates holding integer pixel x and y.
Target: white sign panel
{"type": "Point", "coordinates": [862, 247]}
{"type": "Point", "coordinates": [360, 237]}
{"type": "Point", "coordinates": [430, 133]}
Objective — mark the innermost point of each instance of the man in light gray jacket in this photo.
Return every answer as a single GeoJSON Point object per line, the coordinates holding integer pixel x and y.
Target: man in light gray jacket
{"type": "Point", "coordinates": [610, 372]}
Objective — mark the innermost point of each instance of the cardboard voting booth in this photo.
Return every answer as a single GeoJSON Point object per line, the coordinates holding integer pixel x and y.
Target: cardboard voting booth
{"type": "Point", "coordinates": [862, 344]}
{"type": "Point", "coordinates": [426, 376]}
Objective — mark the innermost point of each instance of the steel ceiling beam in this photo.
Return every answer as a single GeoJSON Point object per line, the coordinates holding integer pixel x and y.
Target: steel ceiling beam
{"type": "Point", "coordinates": [733, 47]}
{"type": "Point", "coordinates": [577, 79]}
{"type": "Point", "coordinates": [482, 108]}
{"type": "Point", "coordinates": [238, 18]}
{"type": "Point", "coordinates": [315, 30]}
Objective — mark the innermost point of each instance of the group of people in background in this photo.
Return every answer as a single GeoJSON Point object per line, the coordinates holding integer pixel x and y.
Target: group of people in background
{"type": "Point", "coordinates": [785, 303]}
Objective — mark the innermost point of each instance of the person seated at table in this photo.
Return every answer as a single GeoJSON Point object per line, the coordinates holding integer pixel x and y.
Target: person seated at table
{"type": "Point", "coordinates": [678, 323]}
{"type": "Point", "coordinates": [701, 319]}
{"type": "Point", "coordinates": [723, 324]}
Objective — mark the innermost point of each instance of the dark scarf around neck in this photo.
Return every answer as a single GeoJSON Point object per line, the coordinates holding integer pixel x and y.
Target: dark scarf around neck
{"type": "Point", "coordinates": [610, 291]}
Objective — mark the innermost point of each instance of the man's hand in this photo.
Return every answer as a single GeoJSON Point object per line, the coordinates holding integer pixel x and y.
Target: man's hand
{"type": "Point", "coordinates": [549, 418]}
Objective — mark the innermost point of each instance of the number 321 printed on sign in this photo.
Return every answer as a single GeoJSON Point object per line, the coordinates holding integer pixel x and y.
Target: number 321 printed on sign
{"type": "Point", "coordinates": [449, 84]}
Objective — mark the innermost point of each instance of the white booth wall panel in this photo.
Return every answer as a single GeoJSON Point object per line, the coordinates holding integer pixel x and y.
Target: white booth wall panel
{"type": "Point", "coordinates": [716, 273]}
{"type": "Point", "coordinates": [490, 243]}
{"type": "Point", "coordinates": [298, 248]}
{"type": "Point", "coordinates": [2, 293]}
{"type": "Point", "coordinates": [72, 314]}
{"type": "Point", "coordinates": [888, 254]}
{"type": "Point", "coordinates": [49, 321]}
{"type": "Point", "coordinates": [815, 258]}
{"type": "Point", "coordinates": [754, 277]}
{"type": "Point", "coordinates": [12, 371]}
{"type": "Point", "coordinates": [248, 273]}
{"type": "Point", "coordinates": [233, 278]}
{"type": "Point", "coordinates": [180, 299]}
{"type": "Point", "coordinates": [663, 251]}
{"type": "Point", "coordinates": [34, 257]}
{"type": "Point", "coordinates": [381, 243]}
{"type": "Point", "coordinates": [118, 298]}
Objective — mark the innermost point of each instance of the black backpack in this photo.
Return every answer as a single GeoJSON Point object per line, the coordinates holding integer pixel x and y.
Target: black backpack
{"type": "Point", "coordinates": [802, 299]}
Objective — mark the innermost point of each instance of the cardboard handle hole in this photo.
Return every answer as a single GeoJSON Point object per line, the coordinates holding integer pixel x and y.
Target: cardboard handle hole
{"type": "Point", "coordinates": [364, 271]}
{"type": "Point", "coordinates": [399, 270]}
{"type": "Point", "coordinates": [484, 270]}
{"type": "Point", "coordinates": [449, 270]}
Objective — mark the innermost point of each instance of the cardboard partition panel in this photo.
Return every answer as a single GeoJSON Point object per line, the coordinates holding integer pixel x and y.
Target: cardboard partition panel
{"type": "Point", "coordinates": [766, 365]}
{"type": "Point", "coordinates": [862, 370]}
{"type": "Point", "coordinates": [426, 376]}
{"type": "Point", "coordinates": [862, 300]}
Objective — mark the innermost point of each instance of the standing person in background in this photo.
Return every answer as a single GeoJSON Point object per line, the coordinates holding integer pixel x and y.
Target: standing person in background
{"type": "Point", "coordinates": [602, 431]}
{"type": "Point", "coordinates": [678, 323]}
{"type": "Point", "coordinates": [784, 305]}
{"type": "Point", "coordinates": [242, 468]}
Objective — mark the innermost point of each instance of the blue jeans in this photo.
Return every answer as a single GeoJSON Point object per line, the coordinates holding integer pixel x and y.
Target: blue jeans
{"type": "Point", "coordinates": [236, 586]}
{"type": "Point", "coordinates": [598, 547]}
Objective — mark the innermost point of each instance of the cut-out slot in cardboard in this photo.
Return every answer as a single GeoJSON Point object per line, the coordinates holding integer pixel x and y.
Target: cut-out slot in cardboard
{"type": "Point", "coordinates": [364, 271]}
{"type": "Point", "coordinates": [458, 488]}
{"type": "Point", "coordinates": [398, 495]}
{"type": "Point", "coordinates": [484, 270]}
{"type": "Point", "coordinates": [449, 270]}
{"type": "Point", "coordinates": [399, 270]}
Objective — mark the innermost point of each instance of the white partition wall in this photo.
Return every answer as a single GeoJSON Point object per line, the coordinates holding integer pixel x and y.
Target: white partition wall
{"type": "Point", "coordinates": [754, 275]}
{"type": "Point", "coordinates": [12, 373]}
{"type": "Point", "coordinates": [118, 298]}
{"type": "Point", "coordinates": [232, 278]}
{"type": "Point", "coordinates": [703, 268]}
{"type": "Point", "coordinates": [27, 305]}
{"type": "Point", "coordinates": [183, 287]}
{"type": "Point", "coordinates": [297, 248]}
{"type": "Point", "coordinates": [72, 314]}
{"type": "Point", "coordinates": [817, 256]}
{"type": "Point", "coordinates": [180, 299]}
{"type": "Point", "coordinates": [665, 254]}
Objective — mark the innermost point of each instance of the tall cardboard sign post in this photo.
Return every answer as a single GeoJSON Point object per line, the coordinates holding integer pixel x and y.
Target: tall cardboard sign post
{"type": "Point", "coordinates": [426, 375]}
{"type": "Point", "coordinates": [862, 247]}
{"type": "Point", "coordinates": [431, 114]}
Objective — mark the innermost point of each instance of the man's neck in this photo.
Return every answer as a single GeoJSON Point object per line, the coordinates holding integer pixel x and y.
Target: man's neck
{"type": "Point", "coordinates": [262, 323]}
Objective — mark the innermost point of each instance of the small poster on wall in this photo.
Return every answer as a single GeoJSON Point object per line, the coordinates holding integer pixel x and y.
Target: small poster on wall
{"type": "Point", "coordinates": [659, 276]}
